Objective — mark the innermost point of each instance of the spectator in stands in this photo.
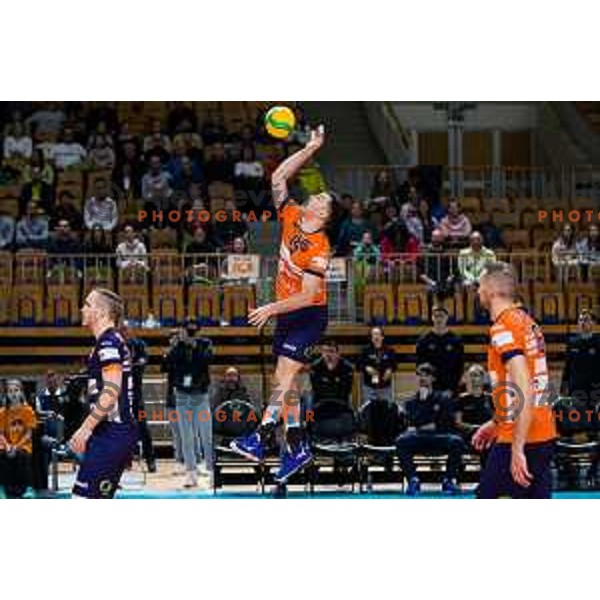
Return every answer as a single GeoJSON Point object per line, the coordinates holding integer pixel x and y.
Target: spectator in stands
{"type": "Point", "coordinates": [231, 388]}
{"type": "Point", "coordinates": [157, 142]}
{"type": "Point", "coordinates": [455, 226]}
{"type": "Point", "coordinates": [200, 269]}
{"type": "Point", "coordinates": [18, 146]}
{"type": "Point", "coordinates": [394, 236]}
{"type": "Point", "coordinates": [184, 170]}
{"type": "Point", "coordinates": [65, 210]}
{"type": "Point", "coordinates": [443, 350]}
{"type": "Point", "coordinates": [492, 235]}
{"type": "Point", "coordinates": [101, 156]}
{"type": "Point", "coordinates": [38, 160]}
{"type": "Point", "coordinates": [32, 229]}
{"type": "Point", "coordinates": [416, 227]}
{"type": "Point", "coordinates": [412, 201]}
{"type": "Point", "coordinates": [139, 360]}
{"type": "Point", "coordinates": [101, 134]}
{"type": "Point", "coordinates": [472, 260]}
{"type": "Point", "coordinates": [128, 182]}
{"type": "Point", "coordinates": [180, 118]}
{"type": "Point", "coordinates": [131, 252]}
{"type": "Point", "coordinates": [98, 241]}
{"type": "Point", "coordinates": [213, 130]}
{"type": "Point", "coordinates": [188, 361]}
{"type": "Point", "coordinates": [100, 210]}
{"type": "Point", "coordinates": [37, 193]}
{"type": "Point", "coordinates": [383, 190]}
{"type": "Point", "coordinates": [436, 267]}
{"type": "Point", "coordinates": [474, 407]}
{"type": "Point", "coordinates": [63, 242]}
{"type": "Point", "coordinates": [331, 376]}
{"type": "Point", "coordinates": [200, 243]}
{"type": "Point", "coordinates": [218, 167]}
{"type": "Point", "coordinates": [352, 229]}
{"type": "Point", "coordinates": [377, 365]}
{"type": "Point", "coordinates": [229, 228]}
{"type": "Point", "coordinates": [48, 119]}
{"type": "Point", "coordinates": [68, 153]}
{"type": "Point", "coordinates": [367, 252]}
{"type": "Point", "coordinates": [431, 419]}
{"type": "Point", "coordinates": [581, 375]}
{"type": "Point", "coordinates": [249, 179]}
{"type": "Point", "coordinates": [7, 231]}
{"type": "Point", "coordinates": [17, 424]}
{"type": "Point", "coordinates": [564, 252]}
{"type": "Point", "coordinates": [428, 220]}
{"type": "Point", "coordinates": [588, 249]}
{"type": "Point", "coordinates": [156, 185]}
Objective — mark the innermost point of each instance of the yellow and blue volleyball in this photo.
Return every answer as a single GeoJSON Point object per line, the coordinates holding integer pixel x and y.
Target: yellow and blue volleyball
{"type": "Point", "coordinates": [280, 122]}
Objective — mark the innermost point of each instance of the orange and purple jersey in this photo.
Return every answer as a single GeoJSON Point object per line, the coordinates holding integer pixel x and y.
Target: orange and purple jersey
{"type": "Point", "coordinates": [300, 252]}
{"type": "Point", "coordinates": [516, 333]}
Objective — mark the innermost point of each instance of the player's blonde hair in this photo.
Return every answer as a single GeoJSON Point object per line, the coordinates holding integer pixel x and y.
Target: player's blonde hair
{"type": "Point", "coordinates": [114, 305]}
{"type": "Point", "coordinates": [503, 275]}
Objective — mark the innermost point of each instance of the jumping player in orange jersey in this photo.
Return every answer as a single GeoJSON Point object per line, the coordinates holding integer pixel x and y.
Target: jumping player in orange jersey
{"type": "Point", "coordinates": [300, 308]}
{"type": "Point", "coordinates": [523, 428]}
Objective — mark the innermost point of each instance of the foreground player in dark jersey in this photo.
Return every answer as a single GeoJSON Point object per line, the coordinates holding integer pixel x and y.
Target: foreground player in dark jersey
{"type": "Point", "coordinates": [108, 436]}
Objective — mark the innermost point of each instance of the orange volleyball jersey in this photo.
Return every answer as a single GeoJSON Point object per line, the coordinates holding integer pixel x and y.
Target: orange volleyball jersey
{"type": "Point", "coordinates": [516, 333]}
{"type": "Point", "coordinates": [300, 253]}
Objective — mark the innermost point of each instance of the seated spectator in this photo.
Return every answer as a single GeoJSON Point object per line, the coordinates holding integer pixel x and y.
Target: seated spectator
{"type": "Point", "coordinates": [181, 116]}
{"type": "Point", "coordinates": [340, 211]}
{"type": "Point", "coordinates": [200, 268]}
{"type": "Point", "coordinates": [474, 407]}
{"type": "Point", "coordinates": [383, 190]}
{"type": "Point", "coordinates": [47, 119]}
{"type": "Point", "coordinates": [98, 241]}
{"type": "Point", "coordinates": [352, 229]}
{"type": "Point", "coordinates": [218, 167]}
{"type": "Point", "coordinates": [131, 253]}
{"type": "Point", "coordinates": [431, 422]}
{"type": "Point", "coordinates": [157, 142]}
{"type": "Point", "coordinates": [588, 247]}
{"type": "Point", "coordinates": [36, 192]}
{"type": "Point", "coordinates": [101, 156]}
{"type": "Point", "coordinates": [367, 252]}
{"type": "Point", "coordinates": [128, 182]}
{"type": "Point", "coordinates": [377, 365]}
{"type": "Point", "coordinates": [436, 267]}
{"type": "Point", "coordinates": [200, 243]}
{"type": "Point", "coordinates": [18, 146]}
{"type": "Point", "coordinates": [101, 134]}
{"type": "Point", "coordinates": [443, 350]}
{"type": "Point", "coordinates": [231, 388]}
{"type": "Point", "coordinates": [564, 251]}
{"type": "Point", "coordinates": [414, 224]}
{"type": "Point", "coordinates": [65, 210]}
{"type": "Point", "coordinates": [38, 160]}
{"type": "Point", "coordinates": [249, 178]}
{"type": "Point", "coordinates": [184, 171]}
{"type": "Point", "coordinates": [68, 153]}
{"type": "Point", "coordinates": [427, 219]}
{"type": "Point", "coordinates": [32, 229]}
{"type": "Point", "coordinates": [455, 226]}
{"type": "Point", "coordinates": [100, 210]}
{"type": "Point", "coordinates": [331, 376]}
{"type": "Point", "coordinates": [17, 424]}
{"type": "Point", "coordinates": [492, 234]}
{"type": "Point", "coordinates": [394, 236]}
{"type": "Point", "coordinates": [156, 185]}
{"type": "Point", "coordinates": [7, 231]}
{"type": "Point", "coordinates": [213, 130]}
{"type": "Point", "coordinates": [412, 201]}
{"type": "Point", "coordinates": [228, 228]}
{"type": "Point", "coordinates": [472, 260]}
{"type": "Point", "coordinates": [64, 243]}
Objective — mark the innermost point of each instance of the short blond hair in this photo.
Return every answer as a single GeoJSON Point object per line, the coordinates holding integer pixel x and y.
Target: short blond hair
{"type": "Point", "coordinates": [114, 304]}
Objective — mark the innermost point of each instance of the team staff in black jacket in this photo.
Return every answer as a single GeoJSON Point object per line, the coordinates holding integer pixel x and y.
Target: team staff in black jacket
{"type": "Point", "coordinates": [377, 364]}
{"type": "Point", "coordinates": [331, 376]}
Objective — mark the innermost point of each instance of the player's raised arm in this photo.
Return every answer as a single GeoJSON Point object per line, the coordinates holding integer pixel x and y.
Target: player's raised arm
{"type": "Point", "coordinates": [291, 165]}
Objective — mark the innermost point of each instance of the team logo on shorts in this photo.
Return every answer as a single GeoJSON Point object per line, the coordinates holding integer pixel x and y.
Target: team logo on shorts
{"type": "Point", "coordinates": [105, 487]}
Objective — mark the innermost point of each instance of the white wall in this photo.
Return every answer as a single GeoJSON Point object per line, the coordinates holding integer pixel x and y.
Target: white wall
{"type": "Point", "coordinates": [507, 116]}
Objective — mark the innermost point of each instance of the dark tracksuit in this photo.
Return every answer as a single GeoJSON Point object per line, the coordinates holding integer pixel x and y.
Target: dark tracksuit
{"type": "Point", "coordinates": [437, 409]}
{"type": "Point", "coordinates": [331, 384]}
{"type": "Point", "coordinates": [446, 354]}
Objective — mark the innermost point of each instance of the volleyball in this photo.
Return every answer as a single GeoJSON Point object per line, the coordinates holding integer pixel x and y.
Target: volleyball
{"type": "Point", "coordinates": [280, 122]}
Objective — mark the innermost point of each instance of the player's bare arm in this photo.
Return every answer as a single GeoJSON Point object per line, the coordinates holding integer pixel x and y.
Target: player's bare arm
{"type": "Point", "coordinates": [485, 436]}
{"type": "Point", "coordinates": [310, 290]}
{"type": "Point", "coordinates": [112, 378]}
{"type": "Point", "coordinates": [519, 374]}
{"type": "Point", "coordinates": [291, 165]}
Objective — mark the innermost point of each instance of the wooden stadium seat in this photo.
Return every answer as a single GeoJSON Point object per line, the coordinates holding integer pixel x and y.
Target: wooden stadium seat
{"type": "Point", "coordinates": [168, 304]}
{"type": "Point", "coordinates": [10, 207]}
{"type": "Point", "coordinates": [455, 305]}
{"type": "Point", "coordinates": [543, 239]}
{"type": "Point", "coordinates": [63, 305]}
{"type": "Point", "coordinates": [166, 267]}
{"type": "Point", "coordinates": [97, 274]}
{"type": "Point", "coordinates": [517, 239]}
{"type": "Point", "coordinates": [582, 296]}
{"type": "Point", "coordinates": [135, 300]}
{"type": "Point", "coordinates": [505, 220]}
{"type": "Point", "coordinates": [218, 189]}
{"type": "Point", "coordinates": [163, 239]}
{"type": "Point", "coordinates": [549, 303]}
{"type": "Point", "coordinates": [238, 300]}
{"type": "Point", "coordinates": [6, 283]}
{"type": "Point", "coordinates": [378, 304]}
{"type": "Point", "coordinates": [204, 305]}
{"type": "Point", "coordinates": [413, 304]}
{"type": "Point", "coordinates": [27, 306]}
{"type": "Point", "coordinates": [528, 218]}
{"type": "Point", "coordinates": [497, 204]}
{"type": "Point", "coordinates": [471, 204]}
{"type": "Point", "coordinates": [30, 267]}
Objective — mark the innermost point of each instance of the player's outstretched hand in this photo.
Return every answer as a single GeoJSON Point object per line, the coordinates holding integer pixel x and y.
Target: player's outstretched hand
{"type": "Point", "coordinates": [259, 316]}
{"type": "Point", "coordinates": [484, 436]}
{"type": "Point", "coordinates": [317, 138]}
{"type": "Point", "coordinates": [79, 440]}
{"type": "Point", "coordinates": [519, 470]}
